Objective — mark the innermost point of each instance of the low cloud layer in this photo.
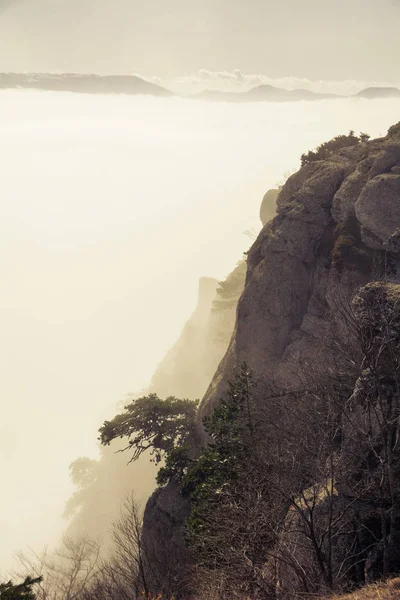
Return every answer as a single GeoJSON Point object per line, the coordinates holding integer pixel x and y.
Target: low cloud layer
{"type": "Point", "coordinates": [236, 81]}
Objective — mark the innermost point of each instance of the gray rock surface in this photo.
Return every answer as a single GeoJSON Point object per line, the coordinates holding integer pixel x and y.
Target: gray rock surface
{"type": "Point", "coordinates": [185, 372]}
{"type": "Point", "coordinates": [378, 207]}
{"type": "Point", "coordinates": [268, 206]}
{"type": "Point", "coordinates": [329, 238]}
{"type": "Point", "coordinates": [293, 282]}
{"type": "Point", "coordinates": [353, 504]}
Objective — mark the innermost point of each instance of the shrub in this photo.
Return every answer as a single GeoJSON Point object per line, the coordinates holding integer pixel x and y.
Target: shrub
{"type": "Point", "coordinates": [327, 149]}
{"type": "Point", "coordinates": [348, 250]}
{"type": "Point", "coordinates": [394, 129]}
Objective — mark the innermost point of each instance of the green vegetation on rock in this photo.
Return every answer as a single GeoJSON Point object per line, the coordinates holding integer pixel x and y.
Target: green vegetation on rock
{"type": "Point", "coordinates": [150, 423]}
{"type": "Point", "coordinates": [22, 591]}
{"type": "Point", "coordinates": [327, 149]}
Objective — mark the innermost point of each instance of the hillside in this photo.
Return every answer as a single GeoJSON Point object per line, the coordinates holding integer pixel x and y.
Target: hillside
{"type": "Point", "coordinates": [381, 591]}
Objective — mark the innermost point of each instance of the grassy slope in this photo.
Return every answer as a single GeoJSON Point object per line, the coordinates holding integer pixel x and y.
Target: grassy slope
{"type": "Point", "coordinates": [384, 591]}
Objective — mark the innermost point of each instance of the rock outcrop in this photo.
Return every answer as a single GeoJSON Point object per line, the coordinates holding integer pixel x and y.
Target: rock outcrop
{"type": "Point", "coordinates": [268, 206]}
{"type": "Point", "coordinates": [185, 372]}
{"type": "Point", "coordinates": [335, 231]}
{"type": "Point", "coordinates": [355, 521]}
{"type": "Point", "coordinates": [311, 258]}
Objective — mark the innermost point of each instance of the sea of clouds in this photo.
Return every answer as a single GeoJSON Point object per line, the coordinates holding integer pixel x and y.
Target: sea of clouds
{"type": "Point", "coordinates": [111, 209]}
{"type": "Point", "coordinates": [237, 81]}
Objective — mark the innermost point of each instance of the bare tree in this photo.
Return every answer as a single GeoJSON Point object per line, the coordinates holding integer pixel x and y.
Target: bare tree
{"type": "Point", "coordinates": [67, 572]}
{"type": "Point", "coordinates": [135, 567]}
{"type": "Point", "coordinates": [122, 574]}
{"type": "Point", "coordinates": [373, 414]}
{"type": "Point", "coordinates": [336, 449]}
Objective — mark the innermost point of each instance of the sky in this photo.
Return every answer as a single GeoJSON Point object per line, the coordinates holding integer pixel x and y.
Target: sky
{"type": "Point", "coordinates": [312, 39]}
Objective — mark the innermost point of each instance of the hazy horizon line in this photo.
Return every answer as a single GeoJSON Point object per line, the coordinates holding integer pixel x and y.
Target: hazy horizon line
{"type": "Point", "coordinates": [235, 81]}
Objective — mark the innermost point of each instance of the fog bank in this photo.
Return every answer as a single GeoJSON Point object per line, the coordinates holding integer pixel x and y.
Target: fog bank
{"type": "Point", "coordinates": [111, 209]}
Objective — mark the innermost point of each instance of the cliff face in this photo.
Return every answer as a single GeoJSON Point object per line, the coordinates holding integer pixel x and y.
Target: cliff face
{"type": "Point", "coordinates": [355, 519]}
{"type": "Point", "coordinates": [337, 228]}
{"type": "Point", "coordinates": [185, 372]}
{"type": "Point", "coordinates": [268, 206]}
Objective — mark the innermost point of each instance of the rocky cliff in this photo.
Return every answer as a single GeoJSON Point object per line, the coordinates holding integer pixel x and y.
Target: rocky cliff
{"type": "Point", "coordinates": [355, 519]}
{"type": "Point", "coordinates": [185, 372]}
{"type": "Point", "coordinates": [337, 229]}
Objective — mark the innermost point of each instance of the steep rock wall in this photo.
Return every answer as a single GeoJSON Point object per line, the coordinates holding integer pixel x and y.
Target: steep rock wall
{"type": "Point", "coordinates": [335, 231]}
{"type": "Point", "coordinates": [185, 372]}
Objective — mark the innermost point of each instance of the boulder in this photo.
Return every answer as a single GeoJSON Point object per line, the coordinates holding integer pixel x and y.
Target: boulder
{"type": "Point", "coordinates": [268, 206]}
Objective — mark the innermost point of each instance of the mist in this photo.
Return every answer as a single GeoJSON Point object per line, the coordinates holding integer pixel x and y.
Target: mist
{"type": "Point", "coordinates": [111, 210]}
{"type": "Point", "coordinates": [265, 36]}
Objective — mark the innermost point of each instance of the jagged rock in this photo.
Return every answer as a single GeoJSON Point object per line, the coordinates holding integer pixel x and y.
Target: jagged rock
{"type": "Point", "coordinates": [308, 262]}
{"type": "Point", "coordinates": [268, 206]}
{"type": "Point", "coordinates": [364, 502]}
{"type": "Point", "coordinates": [293, 285]}
{"type": "Point", "coordinates": [378, 207]}
{"type": "Point", "coordinates": [165, 556]}
{"type": "Point", "coordinates": [185, 372]}
{"type": "Point", "coordinates": [343, 201]}
{"type": "Point", "coordinates": [377, 309]}
{"type": "Point", "coordinates": [176, 375]}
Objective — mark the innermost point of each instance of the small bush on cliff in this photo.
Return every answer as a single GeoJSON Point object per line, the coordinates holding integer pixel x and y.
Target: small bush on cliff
{"type": "Point", "coordinates": [349, 251]}
{"type": "Point", "coordinates": [230, 290]}
{"type": "Point", "coordinates": [326, 149]}
{"type": "Point", "coordinates": [394, 129]}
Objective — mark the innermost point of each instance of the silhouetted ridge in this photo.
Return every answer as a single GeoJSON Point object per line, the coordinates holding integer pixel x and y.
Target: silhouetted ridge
{"type": "Point", "coordinates": [379, 92]}
{"type": "Point", "coordinates": [269, 93]}
{"type": "Point", "coordinates": [82, 83]}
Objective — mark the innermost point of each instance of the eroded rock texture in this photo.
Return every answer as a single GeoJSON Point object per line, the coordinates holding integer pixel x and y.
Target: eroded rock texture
{"type": "Point", "coordinates": [336, 229]}
{"type": "Point", "coordinates": [345, 529]}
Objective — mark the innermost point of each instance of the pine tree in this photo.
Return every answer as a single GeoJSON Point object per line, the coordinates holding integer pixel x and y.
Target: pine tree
{"type": "Point", "coordinates": [22, 591]}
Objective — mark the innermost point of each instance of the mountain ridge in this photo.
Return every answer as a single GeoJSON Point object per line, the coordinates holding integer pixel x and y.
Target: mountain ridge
{"type": "Point", "coordinates": [264, 93]}
{"type": "Point", "coordinates": [91, 83]}
{"type": "Point", "coordinates": [82, 83]}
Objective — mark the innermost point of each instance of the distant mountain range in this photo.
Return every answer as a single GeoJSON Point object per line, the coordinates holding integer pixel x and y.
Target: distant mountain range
{"type": "Point", "coordinates": [85, 84]}
{"type": "Point", "coordinates": [379, 92]}
{"type": "Point", "coordinates": [269, 93]}
{"type": "Point", "coordinates": [130, 84]}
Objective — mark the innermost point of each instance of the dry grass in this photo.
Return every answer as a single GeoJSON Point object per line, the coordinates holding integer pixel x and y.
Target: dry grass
{"type": "Point", "coordinates": [382, 591]}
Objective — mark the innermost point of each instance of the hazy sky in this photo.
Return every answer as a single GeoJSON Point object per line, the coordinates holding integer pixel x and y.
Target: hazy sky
{"type": "Point", "coordinates": [317, 39]}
